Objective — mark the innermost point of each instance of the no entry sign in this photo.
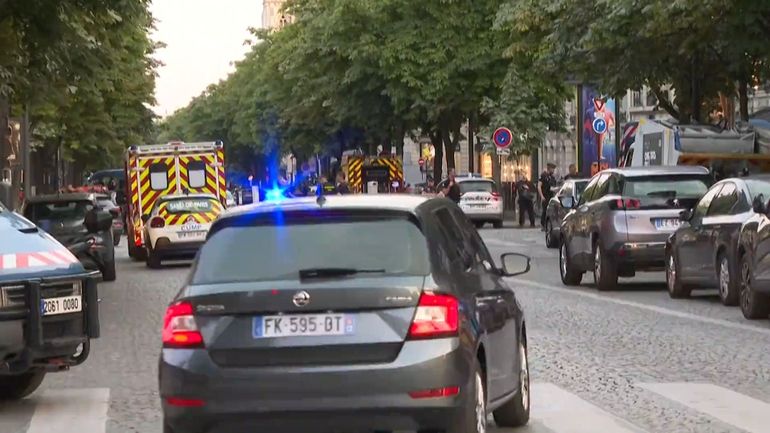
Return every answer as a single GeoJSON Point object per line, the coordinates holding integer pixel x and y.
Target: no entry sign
{"type": "Point", "coordinates": [502, 137]}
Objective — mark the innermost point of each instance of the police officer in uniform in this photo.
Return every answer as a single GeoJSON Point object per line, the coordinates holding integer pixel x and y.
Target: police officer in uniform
{"type": "Point", "coordinates": [545, 183]}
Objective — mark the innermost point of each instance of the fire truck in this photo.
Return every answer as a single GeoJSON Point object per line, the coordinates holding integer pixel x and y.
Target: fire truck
{"type": "Point", "coordinates": [373, 174]}
{"type": "Point", "coordinates": [157, 170]}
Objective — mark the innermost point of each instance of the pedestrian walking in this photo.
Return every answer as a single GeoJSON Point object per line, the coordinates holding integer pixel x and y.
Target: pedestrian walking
{"type": "Point", "coordinates": [544, 188]}
{"type": "Point", "coordinates": [452, 190]}
{"type": "Point", "coordinates": [525, 192]}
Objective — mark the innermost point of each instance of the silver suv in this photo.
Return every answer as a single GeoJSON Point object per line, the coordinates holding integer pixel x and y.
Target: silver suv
{"type": "Point", "coordinates": [623, 219]}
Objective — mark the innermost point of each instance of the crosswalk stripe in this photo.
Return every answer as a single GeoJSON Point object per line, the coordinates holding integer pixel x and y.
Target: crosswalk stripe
{"type": "Point", "coordinates": [76, 410]}
{"type": "Point", "coordinates": [563, 412]}
{"type": "Point", "coordinates": [728, 406]}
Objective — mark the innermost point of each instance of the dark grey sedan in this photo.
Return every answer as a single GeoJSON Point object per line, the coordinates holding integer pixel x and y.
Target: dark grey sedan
{"type": "Point", "coordinates": [555, 211]}
{"type": "Point", "coordinates": [345, 313]}
{"type": "Point", "coordinates": [703, 251]}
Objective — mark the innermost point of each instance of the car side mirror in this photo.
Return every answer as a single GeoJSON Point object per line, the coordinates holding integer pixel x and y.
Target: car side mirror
{"type": "Point", "coordinates": [514, 264]}
{"type": "Point", "coordinates": [567, 202]}
{"type": "Point", "coordinates": [145, 218]}
{"type": "Point", "coordinates": [98, 221]}
{"type": "Point", "coordinates": [685, 215]}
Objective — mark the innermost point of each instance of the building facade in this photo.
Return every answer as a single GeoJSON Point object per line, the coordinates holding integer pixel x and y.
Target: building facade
{"type": "Point", "coordinates": [273, 17]}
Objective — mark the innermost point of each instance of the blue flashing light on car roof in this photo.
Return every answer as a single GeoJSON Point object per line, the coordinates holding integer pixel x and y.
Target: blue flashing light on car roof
{"type": "Point", "coordinates": [275, 194]}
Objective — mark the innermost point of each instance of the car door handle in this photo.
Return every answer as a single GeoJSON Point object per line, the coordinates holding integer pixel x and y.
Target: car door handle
{"type": "Point", "coordinates": [488, 299]}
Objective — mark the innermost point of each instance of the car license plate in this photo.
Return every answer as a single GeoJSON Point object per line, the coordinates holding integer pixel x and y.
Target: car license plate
{"type": "Point", "coordinates": [190, 235]}
{"type": "Point", "coordinates": [667, 223]}
{"type": "Point", "coordinates": [63, 305]}
{"type": "Point", "coordinates": [303, 325]}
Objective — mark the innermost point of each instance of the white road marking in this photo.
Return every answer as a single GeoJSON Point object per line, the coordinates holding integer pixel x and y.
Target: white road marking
{"type": "Point", "coordinates": [728, 406]}
{"type": "Point", "coordinates": [563, 412]}
{"type": "Point", "coordinates": [660, 310]}
{"type": "Point", "coordinates": [501, 243]}
{"type": "Point", "coordinates": [75, 410]}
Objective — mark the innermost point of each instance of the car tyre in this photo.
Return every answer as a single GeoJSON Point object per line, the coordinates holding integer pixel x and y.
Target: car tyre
{"type": "Point", "coordinates": [153, 260]}
{"type": "Point", "coordinates": [569, 275]}
{"type": "Point", "coordinates": [16, 387]}
{"type": "Point", "coordinates": [473, 414]}
{"type": "Point", "coordinates": [676, 289]}
{"type": "Point", "coordinates": [605, 269]}
{"type": "Point", "coordinates": [753, 305]}
{"type": "Point", "coordinates": [498, 224]}
{"type": "Point", "coordinates": [729, 287]}
{"type": "Point", "coordinates": [515, 413]}
{"type": "Point", "coordinates": [109, 273]}
{"type": "Point", "coordinates": [551, 240]}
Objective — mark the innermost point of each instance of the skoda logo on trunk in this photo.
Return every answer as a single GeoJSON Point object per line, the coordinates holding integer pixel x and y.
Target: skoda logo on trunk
{"type": "Point", "coordinates": [301, 299]}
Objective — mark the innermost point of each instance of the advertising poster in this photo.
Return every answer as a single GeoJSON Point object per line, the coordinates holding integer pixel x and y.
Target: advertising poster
{"type": "Point", "coordinates": [598, 148]}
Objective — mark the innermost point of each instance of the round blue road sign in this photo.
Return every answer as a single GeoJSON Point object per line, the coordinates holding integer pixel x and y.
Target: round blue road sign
{"type": "Point", "coordinates": [600, 125]}
{"type": "Point", "coordinates": [502, 137]}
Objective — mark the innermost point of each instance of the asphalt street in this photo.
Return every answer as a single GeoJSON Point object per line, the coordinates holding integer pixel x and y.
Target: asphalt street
{"type": "Point", "coordinates": [630, 360]}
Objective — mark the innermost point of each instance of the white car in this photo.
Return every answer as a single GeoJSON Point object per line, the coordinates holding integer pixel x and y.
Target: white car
{"type": "Point", "coordinates": [480, 200]}
{"type": "Point", "coordinates": [177, 226]}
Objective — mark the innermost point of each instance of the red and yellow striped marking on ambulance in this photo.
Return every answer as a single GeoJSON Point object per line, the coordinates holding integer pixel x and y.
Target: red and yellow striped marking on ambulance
{"type": "Point", "coordinates": [178, 219]}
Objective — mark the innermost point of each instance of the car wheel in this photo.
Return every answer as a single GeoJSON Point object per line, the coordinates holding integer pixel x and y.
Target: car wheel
{"type": "Point", "coordinates": [498, 224]}
{"type": "Point", "coordinates": [569, 275]}
{"type": "Point", "coordinates": [676, 290]}
{"type": "Point", "coordinates": [473, 415]}
{"type": "Point", "coordinates": [729, 287]}
{"type": "Point", "coordinates": [753, 305]}
{"type": "Point", "coordinates": [153, 259]}
{"type": "Point", "coordinates": [16, 387]}
{"type": "Point", "coordinates": [108, 273]}
{"type": "Point", "coordinates": [605, 269]}
{"type": "Point", "coordinates": [551, 241]}
{"type": "Point", "coordinates": [515, 413]}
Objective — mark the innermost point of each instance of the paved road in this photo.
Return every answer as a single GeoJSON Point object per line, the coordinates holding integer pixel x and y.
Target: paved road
{"type": "Point", "coordinates": [632, 360]}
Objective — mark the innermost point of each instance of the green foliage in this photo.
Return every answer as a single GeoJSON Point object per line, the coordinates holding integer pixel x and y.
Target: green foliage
{"type": "Point", "coordinates": [85, 70]}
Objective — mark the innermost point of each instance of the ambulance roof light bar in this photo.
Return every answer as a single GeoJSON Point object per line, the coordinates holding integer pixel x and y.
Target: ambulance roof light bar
{"type": "Point", "coordinates": [171, 147]}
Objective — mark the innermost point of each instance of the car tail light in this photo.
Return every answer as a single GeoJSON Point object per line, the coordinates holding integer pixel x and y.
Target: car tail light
{"type": "Point", "coordinates": [437, 316]}
{"type": "Point", "coordinates": [625, 204]}
{"type": "Point", "coordinates": [495, 196]}
{"type": "Point", "coordinates": [448, 391]}
{"type": "Point", "coordinates": [184, 402]}
{"type": "Point", "coordinates": [157, 223]}
{"type": "Point", "coordinates": [179, 327]}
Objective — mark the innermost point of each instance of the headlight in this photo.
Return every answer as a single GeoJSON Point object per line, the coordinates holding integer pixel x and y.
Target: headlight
{"type": "Point", "coordinates": [13, 296]}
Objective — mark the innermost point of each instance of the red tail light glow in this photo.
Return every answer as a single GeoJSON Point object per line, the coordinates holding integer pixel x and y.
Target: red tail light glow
{"type": "Point", "coordinates": [179, 328]}
{"type": "Point", "coordinates": [157, 223]}
{"type": "Point", "coordinates": [437, 316]}
{"type": "Point", "coordinates": [626, 204]}
{"type": "Point", "coordinates": [448, 391]}
{"type": "Point", "coordinates": [495, 196]}
{"type": "Point", "coordinates": [184, 402]}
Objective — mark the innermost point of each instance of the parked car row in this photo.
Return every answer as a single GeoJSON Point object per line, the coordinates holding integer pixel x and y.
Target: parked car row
{"type": "Point", "coordinates": [673, 219]}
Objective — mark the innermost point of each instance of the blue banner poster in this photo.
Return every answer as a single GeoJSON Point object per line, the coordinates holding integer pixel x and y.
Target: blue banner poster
{"type": "Point", "coordinates": [598, 129]}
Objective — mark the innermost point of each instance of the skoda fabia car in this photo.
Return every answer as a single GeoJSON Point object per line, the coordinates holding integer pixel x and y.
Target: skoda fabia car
{"type": "Point", "coordinates": [346, 313]}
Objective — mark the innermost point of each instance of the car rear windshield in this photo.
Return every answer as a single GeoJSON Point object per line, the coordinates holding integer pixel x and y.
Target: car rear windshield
{"type": "Point", "coordinates": [189, 205]}
{"type": "Point", "coordinates": [477, 186]}
{"type": "Point", "coordinates": [58, 211]}
{"type": "Point", "coordinates": [666, 191]}
{"type": "Point", "coordinates": [757, 187]}
{"type": "Point", "coordinates": [280, 249]}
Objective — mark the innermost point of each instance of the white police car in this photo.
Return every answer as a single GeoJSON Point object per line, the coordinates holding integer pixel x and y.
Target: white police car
{"type": "Point", "coordinates": [480, 199]}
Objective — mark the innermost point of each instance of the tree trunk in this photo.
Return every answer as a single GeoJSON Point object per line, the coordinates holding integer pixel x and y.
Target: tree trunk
{"type": "Point", "coordinates": [743, 98]}
{"type": "Point", "coordinates": [449, 148]}
{"type": "Point", "coordinates": [471, 136]}
{"type": "Point", "coordinates": [438, 147]}
{"type": "Point", "coordinates": [5, 142]}
{"type": "Point", "coordinates": [695, 90]}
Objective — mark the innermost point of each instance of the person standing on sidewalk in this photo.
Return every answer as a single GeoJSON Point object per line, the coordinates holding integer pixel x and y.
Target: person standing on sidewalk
{"type": "Point", "coordinates": [544, 187]}
{"type": "Point", "coordinates": [452, 190]}
{"type": "Point", "coordinates": [525, 192]}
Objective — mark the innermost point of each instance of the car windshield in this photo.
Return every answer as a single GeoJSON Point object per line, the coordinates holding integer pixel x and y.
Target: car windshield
{"type": "Point", "coordinates": [477, 186]}
{"type": "Point", "coordinates": [580, 187]}
{"type": "Point", "coordinates": [58, 211]}
{"type": "Point", "coordinates": [666, 191]}
{"type": "Point", "coordinates": [188, 205]}
{"type": "Point", "coordinates": [395, 245]}
{"type": "Point", "coordinates": [757, 187]}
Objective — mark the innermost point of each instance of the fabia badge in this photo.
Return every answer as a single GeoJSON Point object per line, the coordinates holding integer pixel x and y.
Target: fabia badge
{"type": "Point", "coordinates": [301, 299]}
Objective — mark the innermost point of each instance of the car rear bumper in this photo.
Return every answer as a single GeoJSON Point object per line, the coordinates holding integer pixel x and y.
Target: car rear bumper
{"type": "Point", "coordinates": [641, 255]}
{"type": "Point", "coordinates": [318, 399]}
{"type": "Point", "coordinates": [166, 248]}
{"type": "Point", "coordinates": [485, 216]}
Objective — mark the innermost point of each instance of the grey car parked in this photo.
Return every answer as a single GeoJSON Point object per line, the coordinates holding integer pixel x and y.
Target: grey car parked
{"type": "Point", "coordinates": [622, 221]}
{"type": "Point", "coordinates": [354, 313]}
{"type": "Point", "coordinates": [555, 211]}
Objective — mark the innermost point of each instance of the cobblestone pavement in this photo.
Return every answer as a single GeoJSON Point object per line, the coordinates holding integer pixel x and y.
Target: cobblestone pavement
{"type": "Point", "coordinates": [630, 360]}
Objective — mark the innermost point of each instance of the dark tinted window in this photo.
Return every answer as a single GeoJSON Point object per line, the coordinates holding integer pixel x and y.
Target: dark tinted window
{"type": "Point", "coordinates": [580, 187]}
{"type": "Point", "coordinates": [58, 211]}
{"type": "Point", "coordinates": [286, 244]}
{"type": "Point", "coordinates": [703, 205]}
{"type": "Point", "coordinates": [601, 187]}
{"type": "Point", "coordinates": [589, 190]}
{"type": "Point", "coordinates": [452, 232]}
{"type": "Point", "coordinates": [724, 201]}
{"type": "Point", "coordinates": [477, 186]}
{"type": "Point", "coordinates": [666, 191]}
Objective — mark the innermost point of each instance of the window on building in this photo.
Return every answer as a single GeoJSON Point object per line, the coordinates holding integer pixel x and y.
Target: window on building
{"type": "Point", "coordinates": [651, 99]}
{"type": "Point", "coordinates": [636, 98]}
